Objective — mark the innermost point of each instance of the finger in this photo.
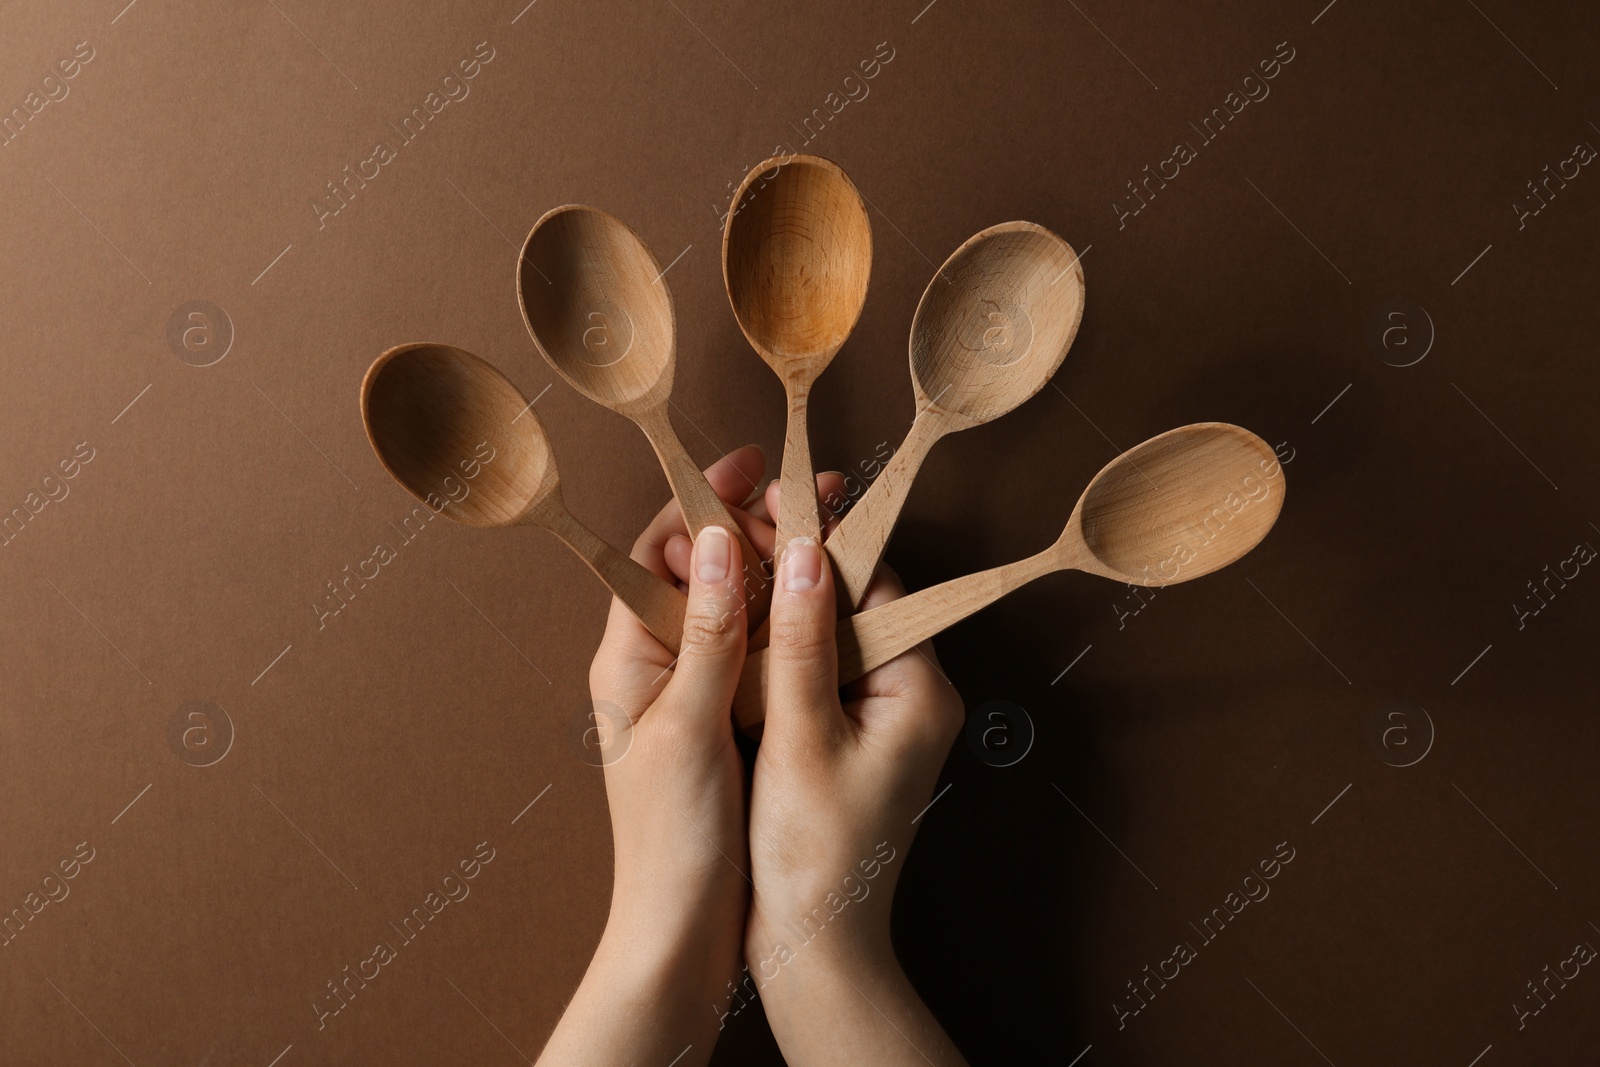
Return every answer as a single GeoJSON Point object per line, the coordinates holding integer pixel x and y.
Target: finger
{"type": "Point", "coordinates": [754, 497]}
{"type": "Point", "coordinates": [735, 476]}
{"type": "Point", "coordinates": [831, 499]}
{"type": "Point", "coordinates": [884, 587]}
{"type": "Point", "coordinates": [761, 534]}
{"type": "Point", "coordinates": [678, 548]}
{"type": "Point", "coordinates": [630, 662]}
{"type": "Point", "coordinates": [757, 529]}
{"type": "Point", "coordinates": [756, 505]}
{"type": "Point", "coordinates": [713, 630]}
{"type": "Point", "coordinates": [917, 666]}
{"type": "Point", "coordinates": [803, 667]}
{"type": "Point", "coordinates": [731, 477]}
{"type": "Point", "coordinates": [677, 552]}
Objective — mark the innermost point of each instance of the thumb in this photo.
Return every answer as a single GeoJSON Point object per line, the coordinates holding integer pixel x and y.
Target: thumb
{"type": "Point", "coordinates": [713, 629]}
{"type": "Point", "coordinates": [803, 666]}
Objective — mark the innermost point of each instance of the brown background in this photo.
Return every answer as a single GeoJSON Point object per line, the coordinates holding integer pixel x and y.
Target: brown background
{"type": "Point", "coordinates": [1220, 721]}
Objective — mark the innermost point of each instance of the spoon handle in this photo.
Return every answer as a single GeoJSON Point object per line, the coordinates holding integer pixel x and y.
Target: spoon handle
{"type": "Point", "coordinates": [656, 604]}
{"type": "Point", "coordinates": [856, 544]}
{"type": "Point", "coordinates": [702, 507]}
{"type": "Point", "coordinates": [797, 510]}
{"type": "Point", "coordinates": [873, 638]}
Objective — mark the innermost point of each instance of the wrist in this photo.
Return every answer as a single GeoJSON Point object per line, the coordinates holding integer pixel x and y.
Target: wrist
{"type": "Point", "coordinates": [805, 980]}
{"type": "Point", "coordinates": [668, 954]}
{"type": "Point", "coordinates": [830, 922]}
{"type": "Point", "coordinates": [790, 958]}
{"type": "Point", "coordinates": [646, 993]}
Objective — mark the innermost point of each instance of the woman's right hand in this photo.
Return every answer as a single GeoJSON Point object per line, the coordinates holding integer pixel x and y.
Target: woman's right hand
{"type": "Point", "coordinates": [834, 791]}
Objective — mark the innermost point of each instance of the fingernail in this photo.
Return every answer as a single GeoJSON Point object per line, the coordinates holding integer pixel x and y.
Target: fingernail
{"type": "Point", "coordinates": [801, 568]}
{"type": "Point", "coordinates": [713, 550]}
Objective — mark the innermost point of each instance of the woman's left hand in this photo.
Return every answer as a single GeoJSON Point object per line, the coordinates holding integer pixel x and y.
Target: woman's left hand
{"type": "Point", "coordinates": [675, 785]}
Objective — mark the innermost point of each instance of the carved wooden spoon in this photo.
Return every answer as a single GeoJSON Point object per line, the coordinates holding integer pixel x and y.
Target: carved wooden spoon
{"type": "Point", "coordinates": [796, 257]}
{"type": "Point", "coordinates": [600, 313]}
{"type": "Point", "coordinates": [1178, 506]}
{"type": "Point", "coordinates": [991, 329]}
{"type": "Point", "coordinates": [427, 408]}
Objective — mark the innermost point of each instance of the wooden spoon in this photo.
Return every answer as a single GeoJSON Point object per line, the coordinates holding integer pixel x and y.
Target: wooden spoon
{"type": "Point", "coordinates": [796, 256]}
{"type": "Point", "coordinates": [599, 311]}
{"type": "Point", "coordinates": [991, 329]}
{"type": "Point", "coordinates": [1178, 506]}
{"type": "Point", "coordinates": [429, 409]}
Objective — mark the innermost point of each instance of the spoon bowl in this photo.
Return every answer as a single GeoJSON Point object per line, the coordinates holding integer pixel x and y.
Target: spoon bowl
{"type": "Point", "coordinates": [992, 327]}
{"type": "Point", "coordinates": [594, 299]}
{"type": "Point", "coordinates": [995, 323]}
{"type": "Point", "coordinates": [796, 258]}
{"type": "Point", "coordinates": [797, 255]}
{"type": "Point", "coordinates": [597, 306]}
{"type": "Point", "coordinates": [1179, 506]}
{"type": "Point", "coordinates": [427, 407]}
{"type": "Point", "coordinates": [461, 438]}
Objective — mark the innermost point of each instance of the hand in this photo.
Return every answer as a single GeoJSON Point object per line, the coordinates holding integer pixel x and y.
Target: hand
{"type": "Point", "coordinates": [675, 787]}
{"type": "Point", "coordinates": [834, 791]}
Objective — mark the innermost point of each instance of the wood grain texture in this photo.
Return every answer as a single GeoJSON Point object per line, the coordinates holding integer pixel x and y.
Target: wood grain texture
{"type": "Point", "coordinates": [597, 306]}
{"type": "Point", "coordinates": [1179, 506]}
{"type": "Point", "coordinates": [460, 437]}
{"type": "Point", "coordinates": [993, 326]}
{"type": "Point", "coordinates": [796, 260]}
{"type": "Point", "coordinates": [656, 604]}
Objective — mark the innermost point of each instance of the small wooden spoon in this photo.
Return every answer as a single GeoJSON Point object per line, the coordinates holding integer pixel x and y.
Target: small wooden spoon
{"type": "Point", "coordinates": [1176, 507]}
{"type": "Point", "coordinates": [991, 329]}
{"type": "Point", "coordinates": [599, 311]}
{"type": "Point", "coordinates": [796, 257]}
{"type": "Point", "coordinates": [429, 408]}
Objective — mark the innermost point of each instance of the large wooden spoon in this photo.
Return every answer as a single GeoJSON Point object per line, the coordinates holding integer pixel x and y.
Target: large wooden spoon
{"type": "Point", "coordinates": [991, 329]}
{"type": "Point", "coordinates": [600, 313]}
{"type": "Point", "coordinates": [430, 409]}
{"type": "Point", "coordinates": [796, 257]}
{"type": "Point", "coordinates": [1176, 507]}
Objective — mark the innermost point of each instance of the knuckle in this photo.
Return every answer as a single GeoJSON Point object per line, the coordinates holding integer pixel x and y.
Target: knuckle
{"type": "Point", "coordinates": [931, 718]}
{"type": "Point", "coordinates": [800, 638]}
{"type": "Point", "coordinates": [711, 628]}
